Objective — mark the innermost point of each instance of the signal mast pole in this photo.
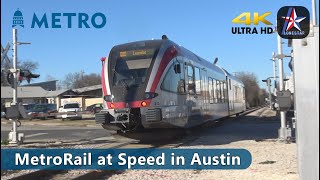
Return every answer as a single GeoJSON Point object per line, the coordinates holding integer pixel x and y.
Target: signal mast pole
{"type": "Point", "coordinates": [274, 71]}
{"type": "Point", "coordinates": [13, 135]}
{"type": "Point", "coordinates": [15, 95]}
{"type": "Point", "coordinates": [283, 128]}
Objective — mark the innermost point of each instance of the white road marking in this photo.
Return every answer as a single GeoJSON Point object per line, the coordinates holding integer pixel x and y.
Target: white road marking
{"type": "Point", "coordinates": [37, 134]}
{"type": "Point", "coordinates": [104, 138]}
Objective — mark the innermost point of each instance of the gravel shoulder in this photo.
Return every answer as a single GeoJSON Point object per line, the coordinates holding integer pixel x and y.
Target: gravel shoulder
{"type": "Point", "coordinates": [271, 159]}
{"type": "Point", "coordinates": [256, 132]}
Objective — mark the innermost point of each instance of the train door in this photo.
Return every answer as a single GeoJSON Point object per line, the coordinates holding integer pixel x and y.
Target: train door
{"type": "Point", "coordinates": [194, 97]}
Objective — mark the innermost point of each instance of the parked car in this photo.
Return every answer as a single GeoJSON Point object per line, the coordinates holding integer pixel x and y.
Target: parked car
{"type": "Point", "coordinates": [70, 110]}
{"type": "Point", "coordinates": [3, 114]}
{"type": "Point", "coordinates": [3, 111]}
{"type": "Point", "coordinates": [43, 111]}
{"type": "Point", "coordinates": [94, 108]}
{"type": "Point", "coordinates": [28, 107]}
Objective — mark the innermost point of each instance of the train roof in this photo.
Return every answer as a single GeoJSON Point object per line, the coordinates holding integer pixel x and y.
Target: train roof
{"type": "Point", "coordinates": [232, 76]}
{"type": "Point", "coordinates": [139, 44]}
{"type": "Point", "coordinates": [159, 42]}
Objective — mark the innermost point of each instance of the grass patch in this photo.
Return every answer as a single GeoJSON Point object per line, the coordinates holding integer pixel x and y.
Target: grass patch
{"type": "Point", "coordinates": [5, 142]}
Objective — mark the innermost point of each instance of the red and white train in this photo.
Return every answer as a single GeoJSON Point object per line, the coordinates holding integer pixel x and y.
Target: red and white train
{"type": "Point", "coordinates": [159, 84]}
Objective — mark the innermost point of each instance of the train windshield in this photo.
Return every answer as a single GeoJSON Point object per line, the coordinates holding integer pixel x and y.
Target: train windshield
{"type": "Point", "coordinates": [131, 64]}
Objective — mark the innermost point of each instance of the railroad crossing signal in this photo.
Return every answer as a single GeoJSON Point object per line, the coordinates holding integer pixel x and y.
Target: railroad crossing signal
{"type": "Point", "coordinates": [22, 74]}
{"type": "Point", "coordinates": [4, 52]}
{"type": "Point", "coordinates": [26, 74]}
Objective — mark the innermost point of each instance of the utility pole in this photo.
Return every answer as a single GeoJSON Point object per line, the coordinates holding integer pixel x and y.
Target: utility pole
{"type": "Point", "coordinates": [283, 129]}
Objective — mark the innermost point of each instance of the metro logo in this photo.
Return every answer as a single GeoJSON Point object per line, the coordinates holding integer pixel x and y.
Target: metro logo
{"type": "Point", "coordinates": [61, 20]}
{"type": "Point", "coordinates": [83, 20]}
{"type": "Point", "coordinates": [247, 18]}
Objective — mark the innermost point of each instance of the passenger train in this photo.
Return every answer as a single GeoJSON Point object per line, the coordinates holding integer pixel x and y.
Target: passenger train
{"type": "Point", "coordinates": [159, 84]}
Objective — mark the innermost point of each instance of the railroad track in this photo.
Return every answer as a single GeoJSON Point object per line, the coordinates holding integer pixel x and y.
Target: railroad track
{"type": "Point", "coordinates": [101, 174]}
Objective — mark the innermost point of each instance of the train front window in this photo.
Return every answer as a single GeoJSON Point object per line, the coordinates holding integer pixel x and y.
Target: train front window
{"type": "Point", "coordinates": [130, 65]}
{"type": "Point", "coordinates": [131, 72]}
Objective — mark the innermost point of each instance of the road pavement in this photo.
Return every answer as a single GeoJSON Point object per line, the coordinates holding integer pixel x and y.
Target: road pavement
{"type": "Point", "coordinates": [55, 130]}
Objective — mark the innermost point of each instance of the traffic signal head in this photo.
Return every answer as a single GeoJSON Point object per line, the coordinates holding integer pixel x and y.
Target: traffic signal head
{"type": "Point", "coordinates": [26, 74]}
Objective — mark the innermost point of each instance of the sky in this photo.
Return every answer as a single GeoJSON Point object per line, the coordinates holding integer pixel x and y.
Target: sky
{"type": "Point", "coordinates": [202, 26]}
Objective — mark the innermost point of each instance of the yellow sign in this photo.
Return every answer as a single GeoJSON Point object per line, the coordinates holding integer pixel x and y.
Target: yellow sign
{"type": "Point", "coordinates": [139, 52]}
{"type": "Point", "coordinates": [123, 53]}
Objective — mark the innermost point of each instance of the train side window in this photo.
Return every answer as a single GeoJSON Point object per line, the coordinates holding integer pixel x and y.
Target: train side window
{"type": "Point", "coordinates": [222, 92]}
{"type": "Point", "coordinates": [243, 93]}
{"type": "Point", "coordinates": [239, 94]}
{"type": "Point", "coordinates": [236, 94]}
{"type": "Point", "coordinates": [190, 79]}
{"type": "Point", "coordinates": [173, 82]}
{"type": "Point", "coordinates": [197, 80]}
{"type": "Point", "coordinates": [230, 84]}
{"type": "Point", "coordinates": [215, 95]}
{"type": "Point", "coordinates": [219, 91]}
{"type": "Point", "coordinates": [225, 92]}
{"type": "Point", "coordinates": [204, 86]}
{"type": "Point", "coordinates": [210, 90]}
{"type": "Point", "coordinates": [181, 84]}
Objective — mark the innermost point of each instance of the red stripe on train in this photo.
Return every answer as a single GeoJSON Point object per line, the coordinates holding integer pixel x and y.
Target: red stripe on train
{"type": "Point", "coordinates": [103, 81]}
{"type": "Point", "coordinates": [133, 104]}
{"type": "Point", "coordinates": [170, 53]}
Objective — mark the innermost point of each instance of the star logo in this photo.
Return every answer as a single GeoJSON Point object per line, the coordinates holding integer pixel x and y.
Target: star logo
{"type": "Point", "coordinates": [293, 20]}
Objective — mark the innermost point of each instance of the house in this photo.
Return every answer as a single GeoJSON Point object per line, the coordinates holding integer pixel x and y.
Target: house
{"type": "Point", "coordinates": [85, 96]}
{"type": "Point", "coordinates": [33, 94]}
{"type": "Point", "coordinates": [47, 85]}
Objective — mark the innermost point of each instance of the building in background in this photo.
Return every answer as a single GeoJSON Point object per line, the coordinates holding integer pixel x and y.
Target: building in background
{"type": "Point", "coordinates": [47, 85]}
{"type": "Point", "coordinates": [44, 93]}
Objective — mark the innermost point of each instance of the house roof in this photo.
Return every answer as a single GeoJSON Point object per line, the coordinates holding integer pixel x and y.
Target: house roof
{"type": "Point", "coordinates": [34, 84]}
{"type": "Point", "coordinates": [56, 93]}
{"type": "Point", "coordinates": [29, 92]}
{"type": "Point", "coordinates": [37, 91]}
{"type": "Point", "coordinates": [88, 88]}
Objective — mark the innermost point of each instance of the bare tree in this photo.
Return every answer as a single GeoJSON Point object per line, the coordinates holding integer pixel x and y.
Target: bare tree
{"type": "Point", "coordinates": [23, 65]}
{"type": "Point", "coordinates": [28, 65]}
{"type": "Point", "coordinates": [254, 95]}
{"type": "Point", "coordinates": [80, 79]}
{"type": "Point", "coordinates": [50, 78]}
{"type": "Point", "coordinates": [59, 85]}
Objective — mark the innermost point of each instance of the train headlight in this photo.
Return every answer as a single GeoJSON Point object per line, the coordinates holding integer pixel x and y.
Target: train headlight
{"type": "Point", "coordinates": [108, 98]}
{"type": "Point", "coordinates": [112, 106]}
{"type": "Point", "coordinates": [150, 95]}
{"type": "Point", "coordinates": [143, 104]}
